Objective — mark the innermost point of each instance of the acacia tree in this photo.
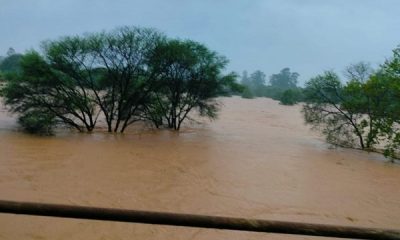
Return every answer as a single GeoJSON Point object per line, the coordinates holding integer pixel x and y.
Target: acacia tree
{"type": "Point", "coordinates": [363, 113]}
{"type": "Point", "coordinates": [125, 56]}
{"type": "Point", "coordinates": [41, 93]}
{"type": "Point", "coordinates": [384, 88]}
{"type": "Point", "coordinates": [190, 78]}
{"type": "Point", "coordinates": [128, 74]}
{"type": "Point", "coordinates": [110, 68]}
{"type": "Point", "coordinates": [330, 107]}
{"type": "Point", "coordinates": [76, 78]}
{"type": "Point", "coordinates": [359, 72]}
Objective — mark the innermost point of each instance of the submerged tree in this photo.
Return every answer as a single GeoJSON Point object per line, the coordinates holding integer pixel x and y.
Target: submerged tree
{"type": "Point", "coordinates": [291, 96]}
{"type": "Point", "coordinates": [190, 77]}
{"type": "Point", "coordinates": [329, 108]}
{"type": "Point", "coordinates": [363, 113]}
{"type": "Point", "coordinates": [384, 89]}
{"type": "Point", "coordinates": [112, 69]}
{"type": "Point", "coordinates": [38, 122]}
{"type": "Point", "coordinates": [127, 75]}
{"type": "Point", "coordinates": [341, 111]}
{"type": "Point", "coordinates": [41, 90]}
{"type": "Point", "coordinates": [284, 87]}
{"type": "Point", "coordinates": [79, 77]}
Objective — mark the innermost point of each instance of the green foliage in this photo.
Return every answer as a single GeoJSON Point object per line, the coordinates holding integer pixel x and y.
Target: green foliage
{"type": "Point", "coordinates": [112, 69]}
{"type": "Point", "coordinates": [280, 83]}
{"type": "Point", "coordinates": [291, 96]}
{"type": "Point", "coordinates": [273, 92]}
{"type": "Point", "coordinates": [229, 85]}
{"type": "Point", "coordinates": [36, 122]}
{"type": "Point", "coordinates": [363, 113]}
{"type": "Point", "coordinates": [324, 89]}
{"type": "Point", "coordinates": [284, 80]}
{"type": "Point", "coordinates": [324, 96]}
{"type": "Point", "coordinates": [39, 88]}
{"type": "Point", "coordinates": [190, 77]}
{"type": "Point", "coordinates": [2, 77]}
{"type": "Point", "coordinates": [126, 75]}
{"type": "Point", "coordinates": [11, 64]}
{"type": "Point", "coordinates": [384, 90]}
{"type": "Point", "coordinates": [247, 93]}
{"type": "Point", "coordinates": [255, 83]}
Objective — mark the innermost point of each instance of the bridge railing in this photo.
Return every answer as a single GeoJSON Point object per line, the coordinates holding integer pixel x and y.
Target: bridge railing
{"type": "Point", "coordinates": [198, 221]}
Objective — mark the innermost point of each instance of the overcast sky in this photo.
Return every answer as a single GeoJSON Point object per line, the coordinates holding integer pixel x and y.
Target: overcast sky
{"type": "Point", "coordinates": [309, 36]}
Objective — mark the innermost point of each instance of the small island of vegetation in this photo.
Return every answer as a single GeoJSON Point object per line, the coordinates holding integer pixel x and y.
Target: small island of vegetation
{"type": "Point", "coordinates": [127, 75]}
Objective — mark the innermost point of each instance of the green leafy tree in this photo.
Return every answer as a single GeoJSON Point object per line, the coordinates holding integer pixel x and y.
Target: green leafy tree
{"type": "Point", "coordinates": [2, 78]}
{"type": "Point", "coordinates": [39, 89]}
{"type": "Point", "coordinates": [332, 107]}
{"type": "Point", "coordinates": [255, 84]}
{"type": "Point", "coordinates": [110, 69]}
{"type": "Point", "coordinates": [285, 79]}
{"type": "Point", "coordinates": [129, 74]}
{"type": "Point", "coordinates": [38, 122]}
{"type": "Point", "coordinates": [247, 93]}
{"type": "Point", "coordinates": [190, 78]}
{"type": "Point", "coordinates": [363, 113]}
{"type": "Point", "coordinates": [76, 78]}
{"type": "Point", "coordinates": [291, 96]}
{"type": "Point", "coordinates": [283, 87]}
{"type": "Point", "coordinates": [384, 90]}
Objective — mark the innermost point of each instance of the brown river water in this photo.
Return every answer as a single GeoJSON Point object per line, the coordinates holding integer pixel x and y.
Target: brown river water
{"type": "Point", "coordinates": [257, 160]}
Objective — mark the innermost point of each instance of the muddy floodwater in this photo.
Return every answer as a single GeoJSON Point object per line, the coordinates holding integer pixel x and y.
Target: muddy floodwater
{"type": "Point", "coordinates": [257, 160]}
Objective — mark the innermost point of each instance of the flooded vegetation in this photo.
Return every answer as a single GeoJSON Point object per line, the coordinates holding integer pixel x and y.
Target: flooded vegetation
{"type": "Point", "coordinates": [272, 110]}
{"type": "Point", "coordinates": [258, 160]}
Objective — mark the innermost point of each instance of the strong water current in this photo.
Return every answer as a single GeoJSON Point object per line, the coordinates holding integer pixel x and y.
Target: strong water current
{"type": "Point", "coordinates": [257, 160]}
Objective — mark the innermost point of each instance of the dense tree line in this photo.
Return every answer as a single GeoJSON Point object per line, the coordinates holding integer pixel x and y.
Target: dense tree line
{"type": "Point", "coordinates": [362, 113]}
{"type": "Point", "coordinates": [127, 75]}
{"type": "Point", "coordinates": [282, 86]}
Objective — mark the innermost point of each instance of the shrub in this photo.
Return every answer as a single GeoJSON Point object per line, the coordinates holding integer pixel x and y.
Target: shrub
{"type": "Point", "coordinates": [37, 122]}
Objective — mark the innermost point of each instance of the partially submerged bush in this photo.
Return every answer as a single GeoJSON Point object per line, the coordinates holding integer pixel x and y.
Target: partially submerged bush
{"type": "Point", "coordinates": [37, 122]}
{"type": "Point", "coordinates": [247, 93]}
{"type": "Point", "coordinates": [291, 96]}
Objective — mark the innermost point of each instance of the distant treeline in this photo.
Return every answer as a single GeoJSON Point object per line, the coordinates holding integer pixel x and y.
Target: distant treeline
{"type": "Point", "coordinates": [281, 86]}
{"type": "Point", "coordinates": [126, 75]}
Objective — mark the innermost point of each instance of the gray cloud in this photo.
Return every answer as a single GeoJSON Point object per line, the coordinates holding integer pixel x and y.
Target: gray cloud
{"type": "Point", "coordinates": [308, 36]}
